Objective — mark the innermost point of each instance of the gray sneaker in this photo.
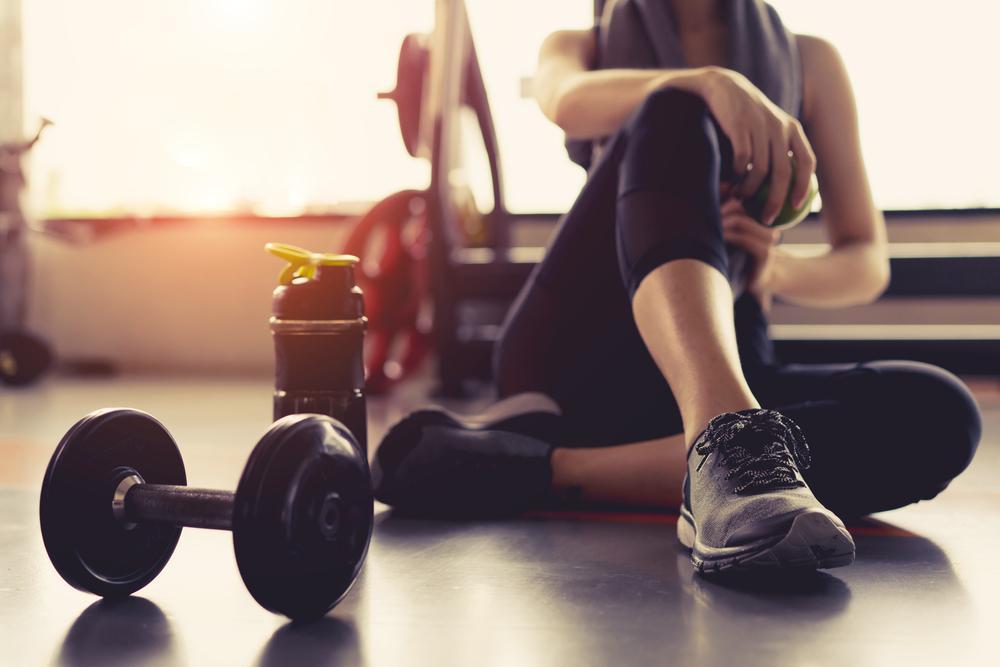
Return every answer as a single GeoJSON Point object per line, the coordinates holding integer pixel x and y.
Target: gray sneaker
{"type": "Point", "coordinates": [746, 505]}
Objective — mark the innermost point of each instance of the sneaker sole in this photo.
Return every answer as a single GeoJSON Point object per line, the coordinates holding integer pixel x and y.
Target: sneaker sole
{"type": "Point", "coordinates": [494, 417]}
{"type": "Point", "coordinates": [813, 541]}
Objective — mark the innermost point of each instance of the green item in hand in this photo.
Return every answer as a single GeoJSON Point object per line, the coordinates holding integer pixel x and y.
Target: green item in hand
{"type": "Point", "coordinates": [789, 216]}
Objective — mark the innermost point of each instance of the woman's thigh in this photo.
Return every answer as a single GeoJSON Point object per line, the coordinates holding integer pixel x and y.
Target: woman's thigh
{"type": "Point", "coordinates": [882, 434]}
{"type": "Point", "coordinates": [573, 296]}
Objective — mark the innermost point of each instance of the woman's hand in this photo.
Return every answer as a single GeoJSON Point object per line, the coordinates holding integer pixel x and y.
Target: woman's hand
{"type": "Point", "coordinates": [759, 241]}
{"type": "Point", "coordinates": [763, 136]}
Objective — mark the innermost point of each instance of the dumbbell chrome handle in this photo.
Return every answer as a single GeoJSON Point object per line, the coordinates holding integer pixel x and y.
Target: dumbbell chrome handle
{"type": "Point", "coordinates": [135, 501]}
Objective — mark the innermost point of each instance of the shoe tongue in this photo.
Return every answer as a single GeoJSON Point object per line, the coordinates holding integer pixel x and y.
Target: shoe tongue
{"type": "Point", "coordinates": [750, 430]}
{"type": "Point", "coordinates": [755, 441]}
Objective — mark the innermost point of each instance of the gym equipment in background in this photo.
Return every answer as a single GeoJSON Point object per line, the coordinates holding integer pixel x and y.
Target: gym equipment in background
{"type": "Point", "coordinates": [318, 325]}
{"type": "Point", "coordinates": [463, 256]}
{"type": "Point", "coordinates": [114, 499]}
{"type": "Point", "coordinates": [393, 237]}
{"type": "Point", "coordinates": [411, 76]}
{"type": "Point", "coordinates": [24, 357]}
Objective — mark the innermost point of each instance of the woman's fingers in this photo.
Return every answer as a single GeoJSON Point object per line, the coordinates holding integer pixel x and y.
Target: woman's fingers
{"type": "Point", "coordinates": [758, 249]}
{"type": "Point", "coordinates": [759, 163]}
{"type": "Point", "coordinates": [753, 245]}
{"type": "Point", "coordinates": [805, 164]}
{"type": "Point", "coordinates": [732, 205]}
{"type": "Point", "coordinates": [763, 138]}
{"type": "Point", "coordinates": [781, 175]}
{"type": "Point", "coordinates": [742, 154]}
{"type": "Point", "coordinates": [745, 227]}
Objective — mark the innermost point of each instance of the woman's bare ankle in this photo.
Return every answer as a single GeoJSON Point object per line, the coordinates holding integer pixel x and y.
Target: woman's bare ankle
{"type": "Point", "coordinates": [566, 485]}
{"type": "Point", "coordinates": [561, 463]}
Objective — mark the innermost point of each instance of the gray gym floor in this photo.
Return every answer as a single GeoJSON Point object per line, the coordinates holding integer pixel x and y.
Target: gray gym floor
{"type": "Point", "coordinates": [544, 590]}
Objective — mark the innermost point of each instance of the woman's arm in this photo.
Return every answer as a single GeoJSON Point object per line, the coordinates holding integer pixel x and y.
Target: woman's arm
{"type": "Point", "coordinates": [856, 268]}
{"type": "Point", "coordinates": [589, 104]}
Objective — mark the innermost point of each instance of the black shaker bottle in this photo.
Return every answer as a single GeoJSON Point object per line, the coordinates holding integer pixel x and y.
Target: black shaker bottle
{"type": "Point", "coordinates": [318, 325]}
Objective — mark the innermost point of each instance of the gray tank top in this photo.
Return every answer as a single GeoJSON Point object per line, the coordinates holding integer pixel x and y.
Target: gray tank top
{"type": "Point", "coordinates": [642, 34]}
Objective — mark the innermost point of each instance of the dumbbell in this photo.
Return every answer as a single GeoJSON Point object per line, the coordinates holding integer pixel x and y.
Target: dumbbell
{"type": "Point", "coordinates": [114, 499]}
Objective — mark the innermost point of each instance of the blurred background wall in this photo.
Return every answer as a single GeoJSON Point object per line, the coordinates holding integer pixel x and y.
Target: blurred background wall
{"type": "Point", "coordinates": [191, 296]}
{"type": "Point", "coordinates": [258, 109]}
{"type": "Point", "coordinates": [10, 68]}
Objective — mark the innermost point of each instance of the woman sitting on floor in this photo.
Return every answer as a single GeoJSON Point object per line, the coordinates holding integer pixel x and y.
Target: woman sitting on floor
{"type": "Point", "coordinates": [635, 367]}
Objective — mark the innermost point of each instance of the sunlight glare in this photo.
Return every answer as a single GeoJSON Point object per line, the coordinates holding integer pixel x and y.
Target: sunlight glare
{"type": "Point", "coordinates": [268, 107]}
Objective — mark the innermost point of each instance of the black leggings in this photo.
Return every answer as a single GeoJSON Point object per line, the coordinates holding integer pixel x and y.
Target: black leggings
{"type": "Point", "coordinates": [883, 434]}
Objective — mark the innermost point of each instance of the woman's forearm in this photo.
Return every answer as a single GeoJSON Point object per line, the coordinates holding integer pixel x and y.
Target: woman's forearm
{"type": "Point", "coordinates": [847, 275]}
{"type": "Point", "coordinates": [595, 104]}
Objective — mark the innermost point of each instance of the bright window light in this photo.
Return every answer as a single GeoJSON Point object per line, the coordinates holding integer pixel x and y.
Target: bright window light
{"type": "Point", "coordinates": [215, 106]}
{"type": "Point", "coordinates": [924, 75]}
{"type": "Point", "coordinates": [268, 106]}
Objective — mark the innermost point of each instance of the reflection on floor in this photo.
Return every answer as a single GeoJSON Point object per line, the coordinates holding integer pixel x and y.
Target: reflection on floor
{"type": "Point", "coordinates": [583, 589]}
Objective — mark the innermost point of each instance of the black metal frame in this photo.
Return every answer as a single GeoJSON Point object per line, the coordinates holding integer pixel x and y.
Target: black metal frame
{"type": "Point", "coordinates": [455, 82]}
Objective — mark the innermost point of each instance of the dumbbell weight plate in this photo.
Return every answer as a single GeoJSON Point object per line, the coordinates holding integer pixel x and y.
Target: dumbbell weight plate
{"type": "Point", "coordinates": [88, 546]}
{"type": "Point", "coordinates": [303, 516]}
{"type": "Point", "coordinates": [411, 72]}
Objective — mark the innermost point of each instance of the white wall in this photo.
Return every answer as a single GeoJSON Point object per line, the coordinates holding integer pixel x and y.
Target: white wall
{"type": "Point", "coordinates": [173, 297]}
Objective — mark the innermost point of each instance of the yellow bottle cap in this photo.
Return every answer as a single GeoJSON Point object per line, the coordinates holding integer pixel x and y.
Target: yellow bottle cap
{"type": "Point", "coordinates": [303, 263]}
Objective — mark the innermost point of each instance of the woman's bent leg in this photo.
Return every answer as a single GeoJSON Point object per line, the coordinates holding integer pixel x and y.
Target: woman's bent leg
{"type": "Point", "coordinates": [650, 206]}
{"type": "Point", "coordinates": [883, 434]}
{"type": "Point", "coordinates": [673, 258]}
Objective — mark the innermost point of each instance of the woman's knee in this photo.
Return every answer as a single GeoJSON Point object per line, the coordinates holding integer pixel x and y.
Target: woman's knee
{"type": "Point", "coordinates": [669, 171]}
{"type": "Point", "coordinates": [670, 108]}
{"type": "Point", "coordinates": [936, 412]}
{"type": "Point", "coordinates": [671, 120]}
{"type": "Point", "coordinates": [671, 137]}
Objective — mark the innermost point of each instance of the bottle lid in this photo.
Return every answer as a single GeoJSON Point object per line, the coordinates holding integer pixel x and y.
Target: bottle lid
{"type": "Point", "coordinates": [316, 286]}
{"type": "Point", "coordinates": [303, 263]}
